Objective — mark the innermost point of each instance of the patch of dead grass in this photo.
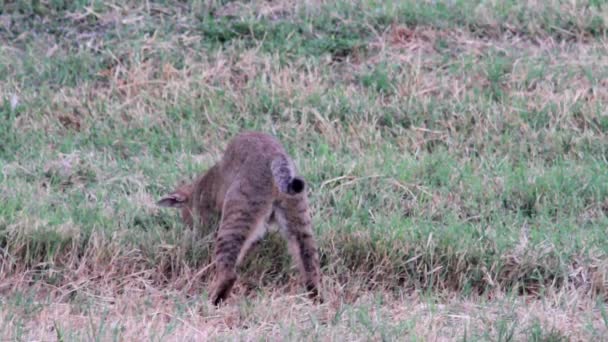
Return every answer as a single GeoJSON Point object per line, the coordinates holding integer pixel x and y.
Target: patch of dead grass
{"type": "Point", "coordinates": [138, 313]}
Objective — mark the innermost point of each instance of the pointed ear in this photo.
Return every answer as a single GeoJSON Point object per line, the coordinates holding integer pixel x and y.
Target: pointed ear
{"type": "Point", "coordinates": [174, 200]}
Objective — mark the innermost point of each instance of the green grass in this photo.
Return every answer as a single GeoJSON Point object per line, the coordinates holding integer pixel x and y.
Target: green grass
{"type": "Point", "coordinates": [451, 147]}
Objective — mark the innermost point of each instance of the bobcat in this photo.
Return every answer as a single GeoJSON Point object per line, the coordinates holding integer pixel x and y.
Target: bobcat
{"type": "Point", "coordinates": [255, 183]}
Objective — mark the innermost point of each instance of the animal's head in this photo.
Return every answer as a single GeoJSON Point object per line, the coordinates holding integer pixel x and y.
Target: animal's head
{"type": "Point", "coordinates": [180, 198]}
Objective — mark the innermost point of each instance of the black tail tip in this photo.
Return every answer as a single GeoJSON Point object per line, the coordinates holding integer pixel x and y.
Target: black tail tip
{"type": "Point", "coordinates": [296, 185]}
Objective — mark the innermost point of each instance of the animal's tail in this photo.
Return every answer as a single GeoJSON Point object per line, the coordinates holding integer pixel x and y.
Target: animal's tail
{"type": "Point", "coordinates": [284, 176]}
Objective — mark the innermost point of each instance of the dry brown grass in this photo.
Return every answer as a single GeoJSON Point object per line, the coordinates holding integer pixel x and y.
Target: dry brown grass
{"type": "Point", "coordinates": [143, 313]}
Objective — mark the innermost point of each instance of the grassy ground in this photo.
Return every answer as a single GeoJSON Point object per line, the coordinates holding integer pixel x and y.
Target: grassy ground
{"type": "Point", "coordinates": [456, 152]}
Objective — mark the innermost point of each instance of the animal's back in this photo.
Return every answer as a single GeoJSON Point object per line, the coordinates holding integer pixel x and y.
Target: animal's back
{"type": "Point", "coordinates": [249, 156]}
{"type": "Point", "coordinates": [252, 147]}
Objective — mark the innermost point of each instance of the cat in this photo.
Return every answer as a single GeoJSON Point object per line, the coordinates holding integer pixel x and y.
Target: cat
{"type": "Point", "coordinates": [255, 183]}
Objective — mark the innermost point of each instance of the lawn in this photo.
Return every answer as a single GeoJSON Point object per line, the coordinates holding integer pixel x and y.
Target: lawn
{"type": "Point", "coordinates": [456, 154]}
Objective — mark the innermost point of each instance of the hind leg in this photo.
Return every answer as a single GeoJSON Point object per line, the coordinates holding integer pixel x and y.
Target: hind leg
{"type": "Point", "coordinates": [293, 216]}
{"type": "Point", "coordinates": [239, 228]}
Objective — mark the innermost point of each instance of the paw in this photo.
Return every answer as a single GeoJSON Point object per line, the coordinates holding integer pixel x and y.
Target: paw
{"type": "Point", "coordinates": [222, 290]}
{"type": "Point", "coordinates": [314, 294]}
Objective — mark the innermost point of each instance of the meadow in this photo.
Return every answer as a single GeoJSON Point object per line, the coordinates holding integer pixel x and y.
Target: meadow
{"type": "Point", "coordinates": [456, 154]}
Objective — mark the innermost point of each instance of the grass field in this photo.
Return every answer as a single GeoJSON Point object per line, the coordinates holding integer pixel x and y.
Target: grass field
{"type": "Point", "coordinates": [456, 151]}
